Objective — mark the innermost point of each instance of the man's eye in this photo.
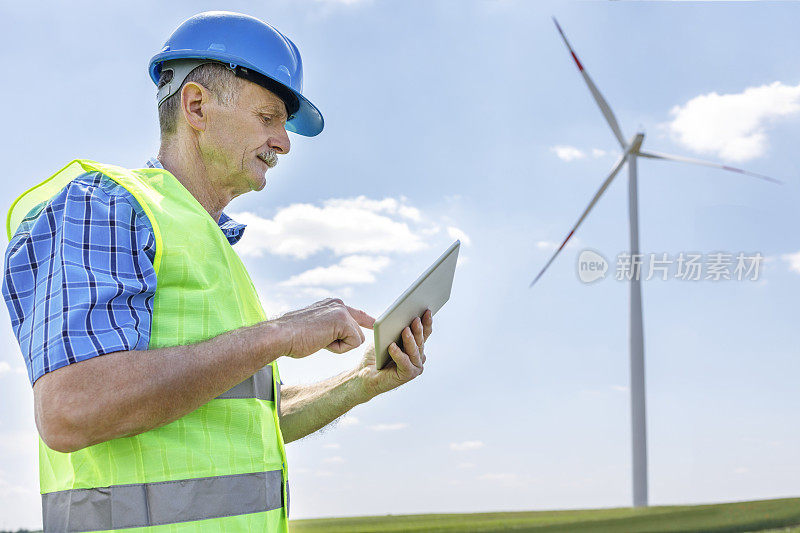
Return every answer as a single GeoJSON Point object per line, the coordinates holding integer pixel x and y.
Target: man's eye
{"type": "Point", "coordinates": [267, 118]}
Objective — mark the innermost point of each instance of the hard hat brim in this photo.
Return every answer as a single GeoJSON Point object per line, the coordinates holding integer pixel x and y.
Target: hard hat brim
{"type": "Point", "coordinates": [307, 121]}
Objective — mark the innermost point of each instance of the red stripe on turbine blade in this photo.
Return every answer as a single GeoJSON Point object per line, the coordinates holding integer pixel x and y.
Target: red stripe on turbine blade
{"type": "Point", "coordinates": [733, 169]}
{"type": "Point", "coordinates": [551, 259]}
{"type": "Point", "coordinates": [577, 61]}
{"type": "Point", "coordinates": [565, 240]}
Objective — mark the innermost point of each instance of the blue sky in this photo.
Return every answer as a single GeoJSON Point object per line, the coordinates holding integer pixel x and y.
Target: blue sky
{"type": "Point", "coordinates": [452, 119]}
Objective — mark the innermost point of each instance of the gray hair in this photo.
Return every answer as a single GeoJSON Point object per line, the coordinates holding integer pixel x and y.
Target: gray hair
{"type": "Point", "coordinates": [216, 77]}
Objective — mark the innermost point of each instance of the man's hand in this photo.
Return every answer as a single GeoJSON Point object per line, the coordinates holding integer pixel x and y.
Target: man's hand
{"type": "Point", "coordinates": [328, 324]}
{"type": "Point", "coordinates": [406, 364]}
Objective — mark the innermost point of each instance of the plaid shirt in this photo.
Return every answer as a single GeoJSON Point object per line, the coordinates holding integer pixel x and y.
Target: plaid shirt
{"type": "Point", "coordinates": [79, 279]}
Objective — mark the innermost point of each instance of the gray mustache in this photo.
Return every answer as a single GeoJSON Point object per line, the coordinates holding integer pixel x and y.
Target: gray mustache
{"type": "Point", "coordinates": [270, 157]}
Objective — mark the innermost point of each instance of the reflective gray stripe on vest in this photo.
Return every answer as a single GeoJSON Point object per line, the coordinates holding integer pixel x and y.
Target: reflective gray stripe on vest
{"type": "Point", "coordinates": [166, 502]}
{"type": "Point", "coordinates": [259, 385]}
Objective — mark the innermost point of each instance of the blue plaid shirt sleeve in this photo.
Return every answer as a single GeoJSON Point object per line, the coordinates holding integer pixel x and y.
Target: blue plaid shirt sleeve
{"type": "Point", "coordinates": [79, 279]}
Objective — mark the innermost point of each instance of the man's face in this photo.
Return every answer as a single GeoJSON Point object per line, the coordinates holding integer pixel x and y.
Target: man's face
{"type": "Point", "coordinates": [241, 141]}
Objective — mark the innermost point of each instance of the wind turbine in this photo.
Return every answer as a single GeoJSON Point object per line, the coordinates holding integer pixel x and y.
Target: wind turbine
{"type": "Point", "coordinates": [631, 151]}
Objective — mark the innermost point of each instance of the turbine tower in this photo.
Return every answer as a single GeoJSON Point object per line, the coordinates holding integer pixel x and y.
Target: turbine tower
{"type": "Point", "coordinates": [631, 151]}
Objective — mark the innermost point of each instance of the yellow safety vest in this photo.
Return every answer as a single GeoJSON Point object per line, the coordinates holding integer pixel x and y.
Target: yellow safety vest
{"type": "Point", "coordinates": [221, 468]}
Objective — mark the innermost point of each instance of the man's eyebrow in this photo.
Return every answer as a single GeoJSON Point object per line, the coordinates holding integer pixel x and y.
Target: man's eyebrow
{"type": "Point", "coordinates": [275, 109]}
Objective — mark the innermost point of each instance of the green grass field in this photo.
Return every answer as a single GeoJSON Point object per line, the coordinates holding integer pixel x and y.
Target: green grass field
{"type": "Point", "coordinates": [766, 515]}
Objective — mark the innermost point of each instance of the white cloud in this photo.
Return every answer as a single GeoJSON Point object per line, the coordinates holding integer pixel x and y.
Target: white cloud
{"type": "Point", "coordinates": [456, 233]}
{"type": "Point", "coordinates": [273, 306]}
{"type": "Point", "coordinates": [353, 269]}
{"type": "Point", "coordinates": [466, 445]}
{"type": "Point", "coordinates": [319, 293]}
{"type": "Point", "coordinates": [4, 367]}
{"type": "Point", "coordinates": [349, 421]}
{"type": "Point", "coordinates": [389, 427]}
{"type": "Point", "coordinates": [333, 460]}
{"type": "Point", "coordinates": [465, 466]}
{"type": "Point", "coordinates": [793, 260]}
{"type": "Point", "coordinates": [567, 153]}
{"type": "Point", "coordinates": [387, 205]}
{"type": "Point", "coordinates": [620, 388]}
{"type": "Point", "coordinates": [344, 226]}
{"type": "Point", "coordinates": [498, 477]}
{"type": "Point", "coordinates": [733, 126]}
{"type": "Point", "coordinates": [332, 446]}
{"type": "Point", "coordinates": [570, 153]}
{"type": "Point", "coordinates": [366, 234]}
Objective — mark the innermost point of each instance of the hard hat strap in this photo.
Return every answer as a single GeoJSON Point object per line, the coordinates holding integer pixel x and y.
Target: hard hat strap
{"type": "Point", "coordinates": [180, 69]}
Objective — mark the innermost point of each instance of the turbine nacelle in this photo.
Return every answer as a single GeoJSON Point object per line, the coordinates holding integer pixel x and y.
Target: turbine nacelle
{"type": "Point", "coordinates": [635, 144]}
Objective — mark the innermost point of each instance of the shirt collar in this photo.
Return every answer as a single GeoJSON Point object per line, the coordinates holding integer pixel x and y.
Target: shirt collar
{"type": "Point", "coordinates": [232, 230]}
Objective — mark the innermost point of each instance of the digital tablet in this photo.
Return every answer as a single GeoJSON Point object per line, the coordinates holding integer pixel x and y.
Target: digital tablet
{"type": "Point", "coordinates": [430, 291]}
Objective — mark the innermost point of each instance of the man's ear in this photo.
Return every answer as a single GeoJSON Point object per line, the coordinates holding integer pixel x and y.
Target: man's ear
{"type": "Point", "coordinates": [194, 99]}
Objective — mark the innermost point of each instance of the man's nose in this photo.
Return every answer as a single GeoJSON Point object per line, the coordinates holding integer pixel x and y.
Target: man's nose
{"type": "Point", "coordinates": [280, 142]}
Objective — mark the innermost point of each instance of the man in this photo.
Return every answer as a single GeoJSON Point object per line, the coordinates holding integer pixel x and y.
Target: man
{"type": "Point", "coordinates": [181, 424]}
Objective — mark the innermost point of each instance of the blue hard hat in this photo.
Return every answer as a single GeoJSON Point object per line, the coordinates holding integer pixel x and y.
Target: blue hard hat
{"type": "Point", "coordinates": [253, 49]}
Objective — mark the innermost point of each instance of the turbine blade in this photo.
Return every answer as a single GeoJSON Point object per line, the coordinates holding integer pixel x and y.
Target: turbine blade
{"type": "Point", "coordinates": [604, 107]}
{"type": "Point", "coordinates": [681, 159]}
{"type": "Point", "coordinates": [596, 197]}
